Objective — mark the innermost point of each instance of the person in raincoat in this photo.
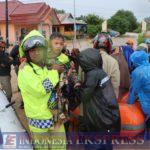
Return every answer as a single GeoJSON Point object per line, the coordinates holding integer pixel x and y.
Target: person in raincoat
{"type": "Point", "coordinates": [140, 83]}
{"type": "Point", "coordinates": [100, 108]}
{"type": "Point", "coordinates": [147, 41]}
{"type": "Point", "coordinates": [124, 72]}
{"type": "Point", "coordinates": [36, 83]}
{"type": "Point", "coordinates": [103, 42]}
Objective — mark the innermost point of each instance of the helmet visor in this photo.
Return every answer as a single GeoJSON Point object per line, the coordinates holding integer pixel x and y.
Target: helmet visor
{"type": "Point", "coordinates": [34, 42]}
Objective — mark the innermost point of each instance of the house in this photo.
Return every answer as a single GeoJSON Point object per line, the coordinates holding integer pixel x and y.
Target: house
{"type": "Point", "coordinates": [67, 25]}
{"type": "Point", "coordinates": [26, 17]}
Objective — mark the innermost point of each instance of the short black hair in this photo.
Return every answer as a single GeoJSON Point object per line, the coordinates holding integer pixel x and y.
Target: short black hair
{"type": "Point", "coordinates": [57, 35]}
{"type": "Point", "coordinates": [21, 38]}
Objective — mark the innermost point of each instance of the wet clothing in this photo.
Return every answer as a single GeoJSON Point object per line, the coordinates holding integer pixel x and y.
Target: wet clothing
{"type": "Point", "coordinates": [140, 83]}
{"type": "Point", "coordinates": [98, 96]}
{"type": "Point", "coordinates": [100, 108]}
{"type": "Point", "coordinates": [124, 74]}
{"type": "Point", "coordinates": [111, 67]}
{"type": "Point", "coordinates": [140, 86]}
{"type": "Point", "coordinates": [127, 51]}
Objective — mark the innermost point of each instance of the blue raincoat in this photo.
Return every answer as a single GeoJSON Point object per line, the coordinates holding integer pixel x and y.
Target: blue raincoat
{"type": "Point", "coordinates": [127, 51]}
{"type": "Point", "coordinates": [147, 41]}
{"type": "Point", "coordinates": [140, 83]}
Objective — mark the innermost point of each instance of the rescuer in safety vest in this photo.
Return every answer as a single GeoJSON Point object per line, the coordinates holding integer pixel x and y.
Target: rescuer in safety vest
{"type": "Point", "coordinates": [36, 83]}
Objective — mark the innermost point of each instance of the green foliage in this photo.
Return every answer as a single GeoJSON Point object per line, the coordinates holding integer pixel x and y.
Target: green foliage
{"type": "Point", "coordinates": [81, 18]}
{"type": "Point", "coordinates": [138, 29]}
{"type": "Point", "coordinates": [123, 21]}
{"type": "Point", "coordinates": [68, 37]}
{"type": "Point", "coordinates": [94, 23]}
{"type": "Point", "coordinates": [140, 38]}
{"type": "Point", "coordinates": [92, 30]}
{"type": "Point", "coordinates": [93, 19]}
{"type": "Point", "coordinates": [60, 11]}
{"type": "Point", "coordinates": [119, 24]}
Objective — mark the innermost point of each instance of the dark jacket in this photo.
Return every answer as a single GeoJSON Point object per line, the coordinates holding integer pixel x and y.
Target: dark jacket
{"type": "Point", "coordinates": [15, 55]}
{"type": "Point", "coordinates": [100, 107]}
{"type": "Point", "coordinates": [5, 64]}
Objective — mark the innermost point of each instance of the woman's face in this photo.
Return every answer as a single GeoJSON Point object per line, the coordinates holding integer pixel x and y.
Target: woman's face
{"type": "Point", "coordinates": [37, 55]}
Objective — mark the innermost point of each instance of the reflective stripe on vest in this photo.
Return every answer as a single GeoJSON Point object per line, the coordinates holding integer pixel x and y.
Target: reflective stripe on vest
{"type": "Point", "coordinates": [132, 127]}
{"type": "Point", "coordinates": [41, 123]}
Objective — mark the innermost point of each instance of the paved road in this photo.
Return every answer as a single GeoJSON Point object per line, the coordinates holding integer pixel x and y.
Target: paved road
{"type": "Point", "coordinates": [87, 43]}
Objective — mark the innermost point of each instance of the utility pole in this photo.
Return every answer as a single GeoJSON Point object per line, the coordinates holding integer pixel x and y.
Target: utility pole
{"type": "Point", "coordinates": [75, 29]}
{"type": "Point", "coordinates": [7, 24]}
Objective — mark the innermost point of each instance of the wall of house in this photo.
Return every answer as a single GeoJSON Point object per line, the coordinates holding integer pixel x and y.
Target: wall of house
{"type": "Point", "coordinates": [46, 27]}
{"type": "Point", "coordinates": [26, 28]}
{"type": "Point", "coordinates": [61, 29]}
{"type": "Point", "coordinates": [11, 32]}
{"type": "Point", "coordinates": [71, 32]}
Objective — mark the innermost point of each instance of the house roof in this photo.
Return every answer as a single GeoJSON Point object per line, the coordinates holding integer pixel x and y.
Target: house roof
{"type": "Point", "coordinates": [12, 5]}
{"type": "Point", "coordinates": [31, 13]}
{"type": "Point", "coordinates": [32, 8]}
{"type": "Point", "coordinates": [67, 18]}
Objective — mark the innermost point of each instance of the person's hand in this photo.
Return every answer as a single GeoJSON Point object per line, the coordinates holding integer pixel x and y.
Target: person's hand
{"type": "Point", "coordinates": [59, 68]}
{"type": "Point", "coordinates": [21, 66]}
{"type": "Point", "coordinates": [78, 84]}
{"type": "Point", "coordinates": [10, 58]}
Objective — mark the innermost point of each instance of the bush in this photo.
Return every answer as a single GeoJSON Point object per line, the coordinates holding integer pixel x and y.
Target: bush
{"type": "Point", "coordinates": [92, 30]}
{"type": "Point", "coordinates": [69, 37]}
{"type": "Point", "coordinates": [140, 38]}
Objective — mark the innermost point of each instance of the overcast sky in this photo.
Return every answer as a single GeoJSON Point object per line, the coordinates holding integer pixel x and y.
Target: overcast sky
{"type": "Point", "coordinates": [103, 8]}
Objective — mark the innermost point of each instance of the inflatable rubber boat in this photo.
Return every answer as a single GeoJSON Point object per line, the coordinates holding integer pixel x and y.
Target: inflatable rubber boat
{"type": "Point", "coordinates": [12, 134]}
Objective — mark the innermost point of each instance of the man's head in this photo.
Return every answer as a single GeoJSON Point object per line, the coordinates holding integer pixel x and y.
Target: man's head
{"type": "Point", "coordinates": [56, 43]}
{"type": "Point", "coordinates": [90, 59]}
{"type": "Point", "coordinates": [139, 58]}
{"type": "Point", "coordinates": [103, 41]}
{"type": "Point", "coordinates": [130, 42]}
{"type": "Point", "coordinates": [35, 49]}
{"type": "Point", "coordinates": [2, 44]}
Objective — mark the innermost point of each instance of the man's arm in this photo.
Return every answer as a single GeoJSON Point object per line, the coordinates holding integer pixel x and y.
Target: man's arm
{"type": "Point", "coordinates": [136, 83]}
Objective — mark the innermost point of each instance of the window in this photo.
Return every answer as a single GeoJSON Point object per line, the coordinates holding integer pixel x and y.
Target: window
{"type": "Point", "coordinates": [69, 27]}
{"type": "Point", "coordinates": [55, 29]}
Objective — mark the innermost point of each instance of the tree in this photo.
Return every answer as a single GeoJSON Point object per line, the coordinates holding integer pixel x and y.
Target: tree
{"type": "Point", "coordinates": [60, 11]}
{"type": "Point", "coordinates": [92, 30]}
{"type": "Point", "coordinates": [127, 16]}
{"type": "Point", "coordinates": [93, 19]}
{"type": "Point", "coordinates": [81, 18]}
{"type": "Point", "coordinates": [139, 28]}
{"type": "Point", "coordinates": [94, 23]}
{"type": "Point", "coordinates": [140, 38]}
{"type": "Point", "coordinates": [119, 24]}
